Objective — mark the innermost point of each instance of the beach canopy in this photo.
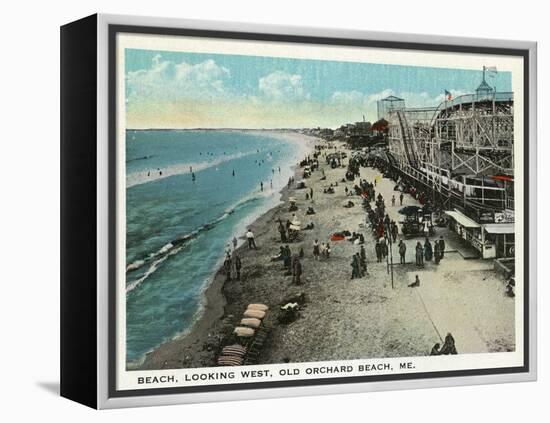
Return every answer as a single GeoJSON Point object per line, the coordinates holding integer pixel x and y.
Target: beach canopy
{"type": "Point", "coordinates": [230, 360]}
{"type": "Point", "coordinates": [243, 332]}
{"type": "Point", "coordinates": [337, 237]}
{"type": "Point", "coordinates": [234, 350]}
{"type": "Point", "coordinates": [291, 306]}
{"type": "Point", "coordinates": [258, 306]}
{"type": "Point", "coordinates": [294, 227]}
{"type": "Point", "coordinates": [292, 199]}
{"type": "Point", "coordinates": [257, 314]}
{"type": "Point", "coordinates": [410, 210]}
{"type": "Point", "coordinates": [251, 322]}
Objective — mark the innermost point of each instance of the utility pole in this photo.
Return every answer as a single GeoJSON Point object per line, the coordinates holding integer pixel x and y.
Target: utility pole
{"type": "Point", "coordinates": [389, 257]}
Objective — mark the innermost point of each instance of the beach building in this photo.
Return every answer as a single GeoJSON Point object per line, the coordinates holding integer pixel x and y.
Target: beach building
{"type": "Point", "coordinates": [462, 153]}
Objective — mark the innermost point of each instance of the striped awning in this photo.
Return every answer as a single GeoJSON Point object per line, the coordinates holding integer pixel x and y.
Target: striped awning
{"type": "Point", "coordinates": [462, 219]}
{"type": "Point", "coordinates": [500, 228]}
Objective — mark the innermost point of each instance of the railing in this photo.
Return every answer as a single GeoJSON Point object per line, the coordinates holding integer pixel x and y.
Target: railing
{"type": "Point", "coordinates": [475, 98]}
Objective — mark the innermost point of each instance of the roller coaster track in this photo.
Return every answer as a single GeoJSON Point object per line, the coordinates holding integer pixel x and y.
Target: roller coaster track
{"type": "Point", "coordinates": [407, 140]}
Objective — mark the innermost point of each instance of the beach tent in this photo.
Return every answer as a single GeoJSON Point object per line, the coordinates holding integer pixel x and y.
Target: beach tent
{"type": "Point", "coordinates": [294, 227]}
{"type": "Point", "coordinates": [337, 237]}
{"type": "Point", "coordinates": [257, 314]}
{"type": "Point", "coordinates": [235, 350]}
{"type": "Point", "coordinates": [244, 332]}
{"type": "Point", "coordinates": [290, 306]}
{"type": "Point", "coordinates": [230, 360]}
{"type": "Point", "coordinates": [261, 307]}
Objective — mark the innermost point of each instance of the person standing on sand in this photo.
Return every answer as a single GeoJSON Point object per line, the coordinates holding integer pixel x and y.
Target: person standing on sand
{"type": "Point", "coordinates": [394, 230]}
{"type": "Point", "coordinates": [393, 200]}
{"type": "Point", "coordinates": [437, 252]}
{"type": "Point", "coordinates": [354, 267]}
{"type": "Point", "coordinates": [401, 199]}
{"type": "Point", "coordinates": [402, 252]}
{"type": "Point", "coordinates": [316, 249]}
{"type": "Point", "coordinates": [384, 247]}
{"type": "Point", "coordinates": [261, 186]}
{"type": "Point", "coordinates": [448, 346]}
{"type": "Point", "coordinates": [282, 231]}
{"type": "Point", "coordinates": [378, 250]}
{"type": "Point", "coordinates": [311, 193]}
{"type": "Point", "coordinates": [442, 247]}
{"type": "Point", "coordinates": [251, 241]}
{"type": "Point", "coordinates": [238, 266]}
{"type": "Point", "coordinates": [287, 259]}
{"type": "Point", "coordinates": [234, 243]}
{"type": "Point", "coordinates": [227, 268]}
{"type": "Point", "coordinates": [297, 271]}
{"type": "Point", "coordinates": [363, 256]}
{"type": "Point", "coordinates": [419, 255]}
{"type": "Point", "coordinates": [428, 252]}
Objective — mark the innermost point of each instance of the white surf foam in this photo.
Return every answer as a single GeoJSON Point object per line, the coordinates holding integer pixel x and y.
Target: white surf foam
{"type": "Point", "coordinates": [151, 175]}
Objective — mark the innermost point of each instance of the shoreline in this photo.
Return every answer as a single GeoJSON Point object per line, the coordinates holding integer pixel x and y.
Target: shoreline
{"type": "Point", "coordinates": [182, 350]}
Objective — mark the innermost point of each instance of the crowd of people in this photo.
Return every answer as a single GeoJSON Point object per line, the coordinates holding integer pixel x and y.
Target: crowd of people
{"type": "Point", "coordinates": [384, 229]}
{"type": "Point", "coordinates": [427, 252]}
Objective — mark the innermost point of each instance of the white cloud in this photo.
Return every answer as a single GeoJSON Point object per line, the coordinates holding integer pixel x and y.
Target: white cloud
{"type": "Point", "coordinates": [374, 97]}
{"type": "Point", "coordinates": [168, 80]}
{"type": "Point", "coordinates": [348, 97]}
{"type": "Point", "coordinates": [282, 86]}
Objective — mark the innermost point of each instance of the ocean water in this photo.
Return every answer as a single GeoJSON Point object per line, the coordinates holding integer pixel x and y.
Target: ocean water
{"type": "Point", "coordinates": [177, 228]}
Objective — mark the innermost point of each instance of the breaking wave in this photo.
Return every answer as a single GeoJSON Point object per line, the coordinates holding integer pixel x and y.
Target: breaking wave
{"type": "Point", "coordinates": [154, 260]}
{"type": "Point", "coordinates": [151, 175]}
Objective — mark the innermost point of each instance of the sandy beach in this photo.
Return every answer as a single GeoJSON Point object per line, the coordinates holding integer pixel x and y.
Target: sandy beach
{"type": "Point", "coordinates": [345, 318]}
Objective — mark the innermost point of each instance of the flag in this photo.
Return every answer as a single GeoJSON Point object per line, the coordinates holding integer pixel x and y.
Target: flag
{"type": "Point", "coordinates": [448, 95]}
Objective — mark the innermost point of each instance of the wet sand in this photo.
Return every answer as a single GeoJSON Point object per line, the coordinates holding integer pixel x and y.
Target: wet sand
{"type": "Point", "coordinates": [344, 318]}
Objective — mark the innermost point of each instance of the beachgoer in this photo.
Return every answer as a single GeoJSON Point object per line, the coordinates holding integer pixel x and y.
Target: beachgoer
{"type": "Point", "coordinates": [297, 271]}
{"type": "Point", "coordinates": [354, 267]}
{"type": "Point", "coordinates": [378, 250]}
{"type": "Point", "coordinates": [402, 252]}
{"type": "Point", "coordinates": [251, 241]}
{"type": "Point", "coordinates": [363, 256]}
{"type": "Point", "coordinates": [287, 258]}
{"type": "Point", "coordinates": [282, 231]}
{"type": "Point", "coordinates": [401, 199]}
{"type": "Point", "coordinates": [442, 246]}
{"type": "Point", "coordinates": [261, 186]}
{"type": "Point", "coordinates": [435, 350]}
{"type": "Point", "coordinates": [428, 252]}
{"type": "Point", "coordinates": [227, 268]}
{"type": "Point", "coordinates": [394, 230]}
{"type": "Point", "coordinates": [416, 282]}
{"type": "Point", "coordinates": [437, 252]}
{"type": "Point", "coordinates": [316, 249]}
{"type": "Point", "coordinates": [393, 200]}
{"type": "Point", "coordinates": [384, 247]}
{"type": "Point", "coordinates": [448, 346]}
{"type": "Point", "coordinates": [236, 267]}
{"type": "Point", "coordinates": [419, 255]}
{"type": "Point", "coordinates": [234, 242]}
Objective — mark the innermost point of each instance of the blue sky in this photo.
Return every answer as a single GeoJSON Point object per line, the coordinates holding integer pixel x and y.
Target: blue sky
{"type": "Point", "coordinates": [189, 90]}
